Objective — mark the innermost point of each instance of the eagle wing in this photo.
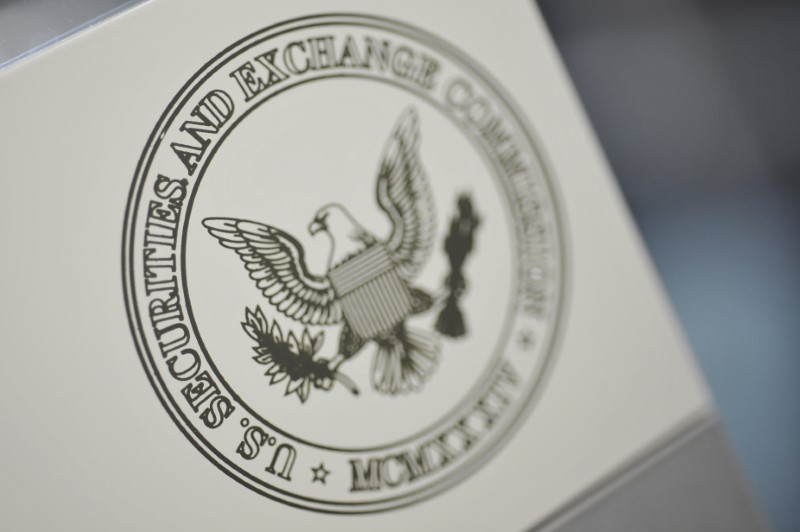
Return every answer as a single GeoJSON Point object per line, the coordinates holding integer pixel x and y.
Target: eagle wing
{"type": "Point", "coordinates": [404, 193]}
{"type": "Point", "coordinates": [275, 261]}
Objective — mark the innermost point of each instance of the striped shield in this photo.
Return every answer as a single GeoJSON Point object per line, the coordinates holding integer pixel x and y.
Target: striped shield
{"type": "Point", "coordinates": [373, 295]}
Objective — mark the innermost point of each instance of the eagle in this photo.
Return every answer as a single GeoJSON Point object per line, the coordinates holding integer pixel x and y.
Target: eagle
{"type": "Point", "coordinates": [368, 286]}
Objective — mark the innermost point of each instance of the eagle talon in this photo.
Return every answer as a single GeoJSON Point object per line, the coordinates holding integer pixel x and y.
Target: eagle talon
{"type": "Point", "coordinates": [326, 372]}
{"type": "Point", "coordinates": [323, 383]}
{"type": "Point", "coordinates": [335, 362]}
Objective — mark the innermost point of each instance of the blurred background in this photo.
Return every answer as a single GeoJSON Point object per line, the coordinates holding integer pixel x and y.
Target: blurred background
{"type": "Point", "coordinates": [696, 105]}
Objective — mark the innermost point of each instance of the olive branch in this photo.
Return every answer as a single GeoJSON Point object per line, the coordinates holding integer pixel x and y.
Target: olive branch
{"type": "Point", "coordinates": [291, 357]}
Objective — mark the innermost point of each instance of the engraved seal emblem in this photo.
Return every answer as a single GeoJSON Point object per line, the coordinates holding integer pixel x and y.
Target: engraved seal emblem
{"type": "Point", "coordinates": [343, 263]}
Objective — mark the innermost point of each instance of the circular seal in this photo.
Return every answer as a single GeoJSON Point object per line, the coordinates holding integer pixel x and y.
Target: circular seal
{"type": "Point", "coordinates": [343, 263]}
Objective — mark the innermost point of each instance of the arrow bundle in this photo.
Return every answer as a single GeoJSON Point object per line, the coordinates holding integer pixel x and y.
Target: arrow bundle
{"type": "Point", "coordinates": [457, 245]}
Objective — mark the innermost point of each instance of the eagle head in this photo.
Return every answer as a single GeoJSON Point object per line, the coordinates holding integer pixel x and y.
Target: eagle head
{"type": "Point", "coordinates": [348, 237]}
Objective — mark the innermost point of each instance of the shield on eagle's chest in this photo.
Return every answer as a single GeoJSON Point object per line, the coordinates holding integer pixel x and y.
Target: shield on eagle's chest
{"type": "Point", "coordinates": [373, 296]}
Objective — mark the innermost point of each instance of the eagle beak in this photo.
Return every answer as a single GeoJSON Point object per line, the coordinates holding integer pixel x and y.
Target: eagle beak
{"type": "Point", "coordinates": [316, 226]}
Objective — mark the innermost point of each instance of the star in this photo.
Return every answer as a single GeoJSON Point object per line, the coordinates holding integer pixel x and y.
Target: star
{"type": "Point", "coordinates": [320, 473]}
{"type": "Point", "coordinates": [526, 339]}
